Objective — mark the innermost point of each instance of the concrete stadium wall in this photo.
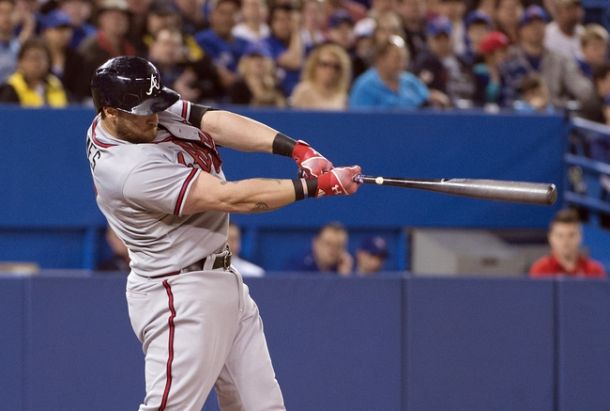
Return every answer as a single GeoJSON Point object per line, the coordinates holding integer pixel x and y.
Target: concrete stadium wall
{"type": "Point", "coordinates": [404, 344]}
{"type": "Point", "coordinates": [49, 214]}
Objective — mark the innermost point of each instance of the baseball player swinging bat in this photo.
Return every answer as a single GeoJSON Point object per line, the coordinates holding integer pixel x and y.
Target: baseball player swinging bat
{"type": "Point", "coordinates": [515, 191]}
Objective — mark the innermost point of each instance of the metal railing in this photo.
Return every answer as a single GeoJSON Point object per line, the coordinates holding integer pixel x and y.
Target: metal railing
{"type": "Point", "coordinates": [588, 169]}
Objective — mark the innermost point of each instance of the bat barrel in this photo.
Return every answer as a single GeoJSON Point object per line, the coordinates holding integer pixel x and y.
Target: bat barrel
{"type": "Point", "coordinates": [515, 191]}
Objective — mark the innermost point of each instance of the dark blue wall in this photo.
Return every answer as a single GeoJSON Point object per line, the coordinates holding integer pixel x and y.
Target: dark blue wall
{"type": "Point", "coordinates": [408, 344]}
{"type": "Point", "coordinates": [49, 213]}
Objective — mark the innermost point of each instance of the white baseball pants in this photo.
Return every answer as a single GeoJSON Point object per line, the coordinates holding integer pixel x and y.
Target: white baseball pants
{"type": "Point", "coordinates": [201, 330]}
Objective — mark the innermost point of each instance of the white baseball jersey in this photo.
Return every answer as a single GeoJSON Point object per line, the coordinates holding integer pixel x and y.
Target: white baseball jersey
{"type": "Point", "coordinates": [142, 188]}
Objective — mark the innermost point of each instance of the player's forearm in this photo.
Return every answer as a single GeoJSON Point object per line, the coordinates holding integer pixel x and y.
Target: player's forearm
{"type": "Point", "coordinates": [238, 132]}
{"type": "Point", "coordinates": [244, 196]}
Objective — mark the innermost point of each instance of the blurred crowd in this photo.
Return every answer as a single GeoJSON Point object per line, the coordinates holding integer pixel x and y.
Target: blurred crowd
{"type": "Point", "coordinates": [316, 54]}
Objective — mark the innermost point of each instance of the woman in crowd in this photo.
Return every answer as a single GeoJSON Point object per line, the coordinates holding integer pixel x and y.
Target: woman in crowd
{"type": "Point", "coordinates": [325, 81]}
{"type": "Point", "coordinates": [32, 85]}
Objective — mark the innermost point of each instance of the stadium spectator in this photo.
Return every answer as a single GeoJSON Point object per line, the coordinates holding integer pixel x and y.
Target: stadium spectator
{"type": "Point", "coordinates": [478, 24]}
{"type": "Point", "coordinates": [413, 16]}
{"type": "Point", "coordinates": [314, 23]}
{"type": "Point", "coordinates": [253, 26]}
{"type": "Point", "coordinates": [371, 255]}
{"type": "Point", "coordinates": [486, 6]}
{"type": "Point", "coordinates": [192, 15]}
{"type": "Point", "coordinates": [257, 84]}
{"type": "Point", "coordinates": [163, 15]}
{"type": "Point", "coordinates": [594, 43]}
{"type": "Point", "coordinates": [218, 42]}
{"type": "Point", "coordinates": [366, 26]}
{"type": "Point", "coordinates": [534, 95]}
{"type": "Point", "coordinates": [66, 63]}
{"type": "Point", "coordinates": [454, 10]}
{"type": "Point", "coordinates": [119, 259]}
{"type": "Point", "coordinates": [245, 268]}
{"type": "Point", "coordinates": [286, 45]}
{"type": "Point", "coordinates": [194, 80]}
{"type": "Point", "coordinates": [566, 258]}
{"type": "Point", "coordinates": [563, 34]}
{"type": "Point", "coordinates": [110, 39]}
{"type": "Point", "coordinates": [595, 108]}
{"type": "Point", "coordinates": [326, 79]}
{"type": "Point", "coordinates": [354, 8]}
{"type": "Point", "coordinates": [138, 13]}
{"type": "Point", "coordinates": [328, 253]}
{"type": "Point", "coordinates": [388, 85]}
{"type": "Point", "coordinates": [9, 42]}
{"type": "Point", "coordinates": [529, 56]}
{"type": "Point", "coordinates": [440, 69]}
{"type": "Point", "coordinates": [507, 15]}
{"type": "Point", "coordinates": [488, 81]}
{"type": "Point", "coordinates": [341, 30]}
{"type": "Point", "coordinates": [79, 12]}
{"type": "Point", "coordinates": [31, 85]}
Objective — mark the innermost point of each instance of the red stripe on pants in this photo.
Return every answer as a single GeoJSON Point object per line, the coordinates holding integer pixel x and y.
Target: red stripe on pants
{"type": "Point", "coordinates": [170, 348]}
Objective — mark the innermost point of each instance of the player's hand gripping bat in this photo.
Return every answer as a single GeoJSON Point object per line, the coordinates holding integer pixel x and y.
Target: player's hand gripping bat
{"type": "Point", "coordinates": [515, 191]}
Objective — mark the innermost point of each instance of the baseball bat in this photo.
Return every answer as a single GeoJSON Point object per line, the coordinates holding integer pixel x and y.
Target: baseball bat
{"type": "Point", "coordinates": [500, 190]}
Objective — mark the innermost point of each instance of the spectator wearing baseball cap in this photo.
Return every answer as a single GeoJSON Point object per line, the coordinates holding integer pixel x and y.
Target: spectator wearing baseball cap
{"type": "Point", "coordinates": [455, 11]}
{"type": "Point", "coordinates": [66, 64]}
{"type": "Point", "coordinates": [478, 24]}
{"type": "Point", "coordinates": [488, 82]}
{"type": "Point", "coordinates": [371, 256]}
{"type": "Point", "coordinates": [79, 12]}
{"type": "Point", "coordinates": [439, 67]}
{"type": "Point", "coordinates": [561, 74]}
{"type": "Point", "coordinates": [341, 29]}
{"type": "Point", "coordinates": [563, 34]}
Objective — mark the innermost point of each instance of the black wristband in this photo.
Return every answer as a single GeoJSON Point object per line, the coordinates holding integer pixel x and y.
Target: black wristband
{"type": "Point", "coordinates": [312, 187]}
{"type": "Point", "coordinates": [305, 188]}
{"type": "Point", "coordinates": [299, 192]}
{"type": "Point", "coordinates": [283, 145]}
{"type": "Point", "coordinates": [197, 112]}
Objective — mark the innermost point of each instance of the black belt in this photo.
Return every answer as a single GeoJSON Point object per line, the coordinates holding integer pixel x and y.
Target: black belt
{"type": "Point", "coordinates": [220, 261]}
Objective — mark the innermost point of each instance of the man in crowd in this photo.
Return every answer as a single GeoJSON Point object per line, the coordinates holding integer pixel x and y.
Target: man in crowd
{"type": "Point", "coordinates": [565, 239]}
{"type": "Point", "coordinates": [328, 253]}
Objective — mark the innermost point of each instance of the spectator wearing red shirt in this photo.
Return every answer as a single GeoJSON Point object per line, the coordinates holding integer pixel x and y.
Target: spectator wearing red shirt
{"type": "Point", "coordinates": [565, 238]}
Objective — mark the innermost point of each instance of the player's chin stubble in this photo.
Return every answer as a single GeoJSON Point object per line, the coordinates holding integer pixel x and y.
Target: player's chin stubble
{"type": "Point", "coordinates": [131, 132]}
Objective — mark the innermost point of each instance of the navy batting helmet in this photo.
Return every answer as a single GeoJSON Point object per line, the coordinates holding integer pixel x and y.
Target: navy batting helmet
{"type": "Point", "coordinates": [132, 85]}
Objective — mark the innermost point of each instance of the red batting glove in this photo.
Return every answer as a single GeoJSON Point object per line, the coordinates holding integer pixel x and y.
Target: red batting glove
{"type": "Point", "coordinates": [338, 181]}
{"type": "Point", "coordinates": [311, 163]}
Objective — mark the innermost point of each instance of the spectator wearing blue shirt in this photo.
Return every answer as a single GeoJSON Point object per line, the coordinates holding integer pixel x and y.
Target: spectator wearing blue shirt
{"type": "Point", "coordinates": [219, 43]}
{"type": "Point", "coordinates": [79, 11]}
{"type": "Point", "coordinates": [286, 46]}
{"type": "Point", "coordinates": [328, 253]}
{"type": "Point", "coordinates": [388, 85]}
